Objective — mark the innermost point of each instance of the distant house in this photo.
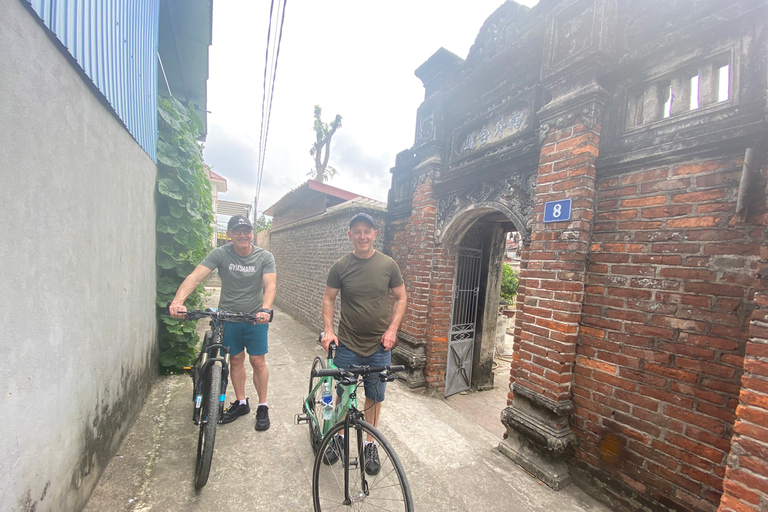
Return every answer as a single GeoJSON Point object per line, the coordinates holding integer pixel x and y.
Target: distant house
{"type": "Point", "coordinates": [308, 200]}
{"type": "Point", "coordinates": [221, 207]}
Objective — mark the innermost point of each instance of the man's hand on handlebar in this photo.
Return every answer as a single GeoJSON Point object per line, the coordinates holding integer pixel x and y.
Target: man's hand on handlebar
{"type": "Point", "coordinates": [327, 339]}
{"type": "Point", "coordinates": [262, 318]}
{"type": "Point", "coordinates": [177, 310]}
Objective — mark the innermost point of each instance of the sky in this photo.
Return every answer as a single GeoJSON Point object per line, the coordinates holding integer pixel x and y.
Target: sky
{"type": "Point", "coordinates": [355, 58]}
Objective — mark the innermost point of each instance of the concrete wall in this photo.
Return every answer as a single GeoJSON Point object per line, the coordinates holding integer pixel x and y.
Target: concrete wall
{"type": "Point", "coordinates": [78, 251]}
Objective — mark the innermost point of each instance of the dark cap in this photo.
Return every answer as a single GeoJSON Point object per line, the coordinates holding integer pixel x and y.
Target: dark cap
{"type": "Point", "coordinates": [362, 217]}
{"type": "Point", "coordinates": [238, 221]}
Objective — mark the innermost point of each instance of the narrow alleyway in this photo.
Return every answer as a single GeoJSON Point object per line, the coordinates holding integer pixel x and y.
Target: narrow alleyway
{"type": "Point", "coordinates": [447, 446]}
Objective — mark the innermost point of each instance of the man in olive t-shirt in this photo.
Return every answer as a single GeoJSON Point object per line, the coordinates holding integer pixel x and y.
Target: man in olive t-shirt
{"type": "Point", "coordinates": [248, 281]}
{"type": "Point", "coordinates": [366, 335]}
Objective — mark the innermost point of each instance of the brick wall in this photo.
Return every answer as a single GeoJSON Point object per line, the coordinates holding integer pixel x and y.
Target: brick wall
{"type": "Point", "coordinates": [746, 476]}
{"type": "Point", "coordinates": [304, 253]}
{"type": "Point", "coordinates": [664, 326]}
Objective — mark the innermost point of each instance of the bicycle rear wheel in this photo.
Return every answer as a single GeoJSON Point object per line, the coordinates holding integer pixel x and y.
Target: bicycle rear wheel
{"type": "Point", "coordinates": [313, 407]}
{"type": "Point", "coordinates": [209, 419]}
{"type": "Point", "coordinates": [387, 490]}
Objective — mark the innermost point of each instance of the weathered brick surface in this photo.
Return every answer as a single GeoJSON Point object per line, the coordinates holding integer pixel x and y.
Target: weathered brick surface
{"type": "Point", "coordinates": [746, 477]}
{"type": "Point", "coordinates": [664, 328]}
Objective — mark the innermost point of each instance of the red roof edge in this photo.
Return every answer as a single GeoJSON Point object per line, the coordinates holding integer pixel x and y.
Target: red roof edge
{"type": "Point", "coordinates": [333, 191]}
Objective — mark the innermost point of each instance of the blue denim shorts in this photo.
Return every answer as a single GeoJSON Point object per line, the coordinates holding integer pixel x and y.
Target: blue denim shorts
{"type": "Point", "coordinates": [374, 388]}
{"type": "Point", "coordinates": [241, 336]}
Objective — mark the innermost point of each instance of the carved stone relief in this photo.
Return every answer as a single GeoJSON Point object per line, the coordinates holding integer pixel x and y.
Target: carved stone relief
{"type": "Point", "coordinates": [489, 131]}
{"type": "Point", "coordinates": [572, 32]}
{"type": "Point", "coordinates": [512, 196]}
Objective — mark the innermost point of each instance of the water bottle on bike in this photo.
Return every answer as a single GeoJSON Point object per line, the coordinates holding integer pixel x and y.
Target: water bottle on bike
{"type": "Point", "coordinates": [327, 402]}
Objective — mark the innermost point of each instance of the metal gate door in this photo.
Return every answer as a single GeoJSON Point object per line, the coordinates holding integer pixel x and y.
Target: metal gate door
{"type": "Point", "coordinates": [461, 338]}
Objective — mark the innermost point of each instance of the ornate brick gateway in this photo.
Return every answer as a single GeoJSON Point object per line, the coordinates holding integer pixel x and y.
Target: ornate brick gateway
{"type": "Point", "coordinates": [625, 141]}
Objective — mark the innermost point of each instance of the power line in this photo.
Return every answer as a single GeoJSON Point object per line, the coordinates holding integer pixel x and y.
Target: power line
{"type": "Point", "coordinates": [270, 70]}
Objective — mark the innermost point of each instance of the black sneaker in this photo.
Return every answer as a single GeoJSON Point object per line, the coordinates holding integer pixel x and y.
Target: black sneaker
{"type": "Point", "coordinates": [334, 451]}
{"type": "Point", "coordinates": [235, 410]}
{"type": "Point", "coordinates": [262, 417]}
{"type": "Point", "coordinates": [372, 464]}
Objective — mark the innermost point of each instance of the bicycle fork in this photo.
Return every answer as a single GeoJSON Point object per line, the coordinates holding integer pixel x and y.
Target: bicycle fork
{"type": "Point", "coordinates": [224, 382]}
{"type": "Point", "coordinates": [358, 464]}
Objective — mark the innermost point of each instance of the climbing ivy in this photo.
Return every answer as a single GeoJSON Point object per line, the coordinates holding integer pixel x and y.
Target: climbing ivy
{"type": "Point", "coordinates": [184, 226]}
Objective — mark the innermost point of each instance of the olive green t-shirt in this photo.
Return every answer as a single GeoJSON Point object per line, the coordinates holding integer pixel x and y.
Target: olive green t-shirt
{"type": "Point", "coordinates": [364, 285]}
{"type": "Point", "coordinates": [242, 285]}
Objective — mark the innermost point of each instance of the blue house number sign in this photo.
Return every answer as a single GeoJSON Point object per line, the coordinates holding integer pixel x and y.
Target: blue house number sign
{"type": "Point", "coordinates": [557, 211]}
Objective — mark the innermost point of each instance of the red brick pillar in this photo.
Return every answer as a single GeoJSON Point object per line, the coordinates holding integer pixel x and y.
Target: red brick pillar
{"type": "Point", "coordinates": [745, 486]}
{"type": "Point", "coordinates": [421, 241]}
{"type": "Point", "coordinates": [553, 278]}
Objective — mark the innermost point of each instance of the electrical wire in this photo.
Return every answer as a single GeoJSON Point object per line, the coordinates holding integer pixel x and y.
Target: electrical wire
{"type": "Point", "coordinates": [270, 75]}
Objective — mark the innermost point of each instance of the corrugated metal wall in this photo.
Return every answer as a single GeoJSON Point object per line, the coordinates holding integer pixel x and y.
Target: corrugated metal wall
{"type": "Point", "coordinates": [115, 42]}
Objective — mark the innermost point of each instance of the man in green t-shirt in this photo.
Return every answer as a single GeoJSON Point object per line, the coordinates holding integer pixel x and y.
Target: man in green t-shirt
{"type": "Point", "coordinates": [248, 280]}
{"type": "Point", "coordinates": [365, 277]}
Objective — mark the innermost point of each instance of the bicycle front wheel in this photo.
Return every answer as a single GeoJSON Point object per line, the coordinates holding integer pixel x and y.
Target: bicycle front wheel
{"type": "Point", "coordinates": [388, 489]}
{"type": "Point", "coordinates": [209, 419]}
{"type": "Point", "coordinates": [313, 407]}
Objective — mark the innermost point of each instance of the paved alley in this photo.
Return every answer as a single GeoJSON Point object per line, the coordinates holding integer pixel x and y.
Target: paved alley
{"type": "Point", "coordinates": [447, 446]}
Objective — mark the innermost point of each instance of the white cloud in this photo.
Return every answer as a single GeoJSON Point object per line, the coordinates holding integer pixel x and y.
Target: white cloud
{"type": "Point", "coordinates": [353, 58]}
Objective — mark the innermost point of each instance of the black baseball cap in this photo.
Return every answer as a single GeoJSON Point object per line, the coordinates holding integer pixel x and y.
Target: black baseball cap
{"type": "Point", "coordinates": [239, 221]}
{"type": "Point", "coordinates": [362, 217]}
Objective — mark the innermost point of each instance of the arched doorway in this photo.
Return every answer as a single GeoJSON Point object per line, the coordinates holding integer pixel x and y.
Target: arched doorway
{"type": "Point", "coordinates": [479, 236]}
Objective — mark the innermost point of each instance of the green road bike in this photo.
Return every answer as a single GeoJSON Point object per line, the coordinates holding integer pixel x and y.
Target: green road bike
{"type": "Point", "coordinates": [340, 477]}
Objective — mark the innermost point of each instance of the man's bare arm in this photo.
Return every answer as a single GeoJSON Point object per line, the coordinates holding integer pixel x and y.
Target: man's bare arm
{"type": "Point", "coordinates": [186, 288]}
{"type": "Point", "coordinates": [329, 305]}
{"type": "Point", "coordinates": [389, 338]}
{"type": "Point", "coordinates": [270, 289]}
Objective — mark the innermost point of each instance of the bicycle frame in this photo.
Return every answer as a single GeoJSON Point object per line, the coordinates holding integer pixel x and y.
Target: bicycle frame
{"type": "Point", "coordinates": [210, 354]}
{"type": "Point", "coordinates": [346, 419]}
{"type": "Point", "coordinates": [345, 402]}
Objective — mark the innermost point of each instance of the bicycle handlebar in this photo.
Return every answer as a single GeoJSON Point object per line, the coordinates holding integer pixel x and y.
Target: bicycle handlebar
{"type": "Point", "coordinates": [196, 314]}
{"type": "Point", "coordinates": [356, 371]}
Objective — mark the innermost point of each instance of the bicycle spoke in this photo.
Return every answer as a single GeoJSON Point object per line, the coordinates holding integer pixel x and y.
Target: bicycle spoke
{"type": "Point", "coordinates": [387, 491]}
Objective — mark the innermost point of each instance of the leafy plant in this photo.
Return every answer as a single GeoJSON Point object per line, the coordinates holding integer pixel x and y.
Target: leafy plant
{"type": "Point", "coordinates": [509, 283]}
{"type": "Point", "coordinates": [261, 224]}
{"type": "Point", "coordinates": [184, 226]}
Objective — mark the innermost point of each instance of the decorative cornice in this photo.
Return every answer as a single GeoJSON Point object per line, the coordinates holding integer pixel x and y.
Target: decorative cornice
{"type": "Point", "coordinates": [560, 408]}
{"type": "Point", "coordinates": [553, 440]}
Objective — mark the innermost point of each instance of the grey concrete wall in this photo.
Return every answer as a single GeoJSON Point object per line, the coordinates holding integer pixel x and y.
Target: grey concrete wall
{"type": "Point", "coordinates": [77, 248]}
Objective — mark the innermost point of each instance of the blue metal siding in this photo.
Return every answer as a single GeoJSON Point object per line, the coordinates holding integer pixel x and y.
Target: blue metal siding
{"type": "Point", "coordinates": [115, 42]}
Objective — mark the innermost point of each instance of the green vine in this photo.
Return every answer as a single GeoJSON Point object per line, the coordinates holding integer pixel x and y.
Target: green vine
{"type": "Point", "coordinates": [184, 226]}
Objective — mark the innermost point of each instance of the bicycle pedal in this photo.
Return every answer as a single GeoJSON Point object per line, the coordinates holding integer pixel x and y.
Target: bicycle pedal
{"type": "Point", "coordinates": [353, 462]}
{"type": "Point", "coordinates": [300, 418]}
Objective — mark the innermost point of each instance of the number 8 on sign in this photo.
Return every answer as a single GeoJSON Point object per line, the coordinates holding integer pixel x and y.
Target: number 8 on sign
{"type": "Point", "coordinates": [557, 211]}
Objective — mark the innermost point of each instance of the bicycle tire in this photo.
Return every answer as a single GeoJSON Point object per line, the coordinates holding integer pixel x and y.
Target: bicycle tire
{"type": "Point", "coordinates": [313, 407]}
{"type": "Point", "coordinates": [209, 420]}
{"type": "Point", "coordinates": [388, 490]}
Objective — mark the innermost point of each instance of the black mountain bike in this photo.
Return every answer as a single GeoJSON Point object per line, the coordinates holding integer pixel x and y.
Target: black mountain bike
{"type": "Point", "coordinates": [210, 376]}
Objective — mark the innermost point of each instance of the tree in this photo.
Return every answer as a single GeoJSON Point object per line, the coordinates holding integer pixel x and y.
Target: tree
{"type": "Point", "coordinates": [261, 224]}
{"type": "Point", "coordinates": [321, 149]}
{"type": "Point", "coordinates": [509, 282]}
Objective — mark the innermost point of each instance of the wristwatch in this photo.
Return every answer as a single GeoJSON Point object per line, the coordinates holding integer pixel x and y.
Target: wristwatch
{"type": "Point", "coordinates": [267, 310]}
